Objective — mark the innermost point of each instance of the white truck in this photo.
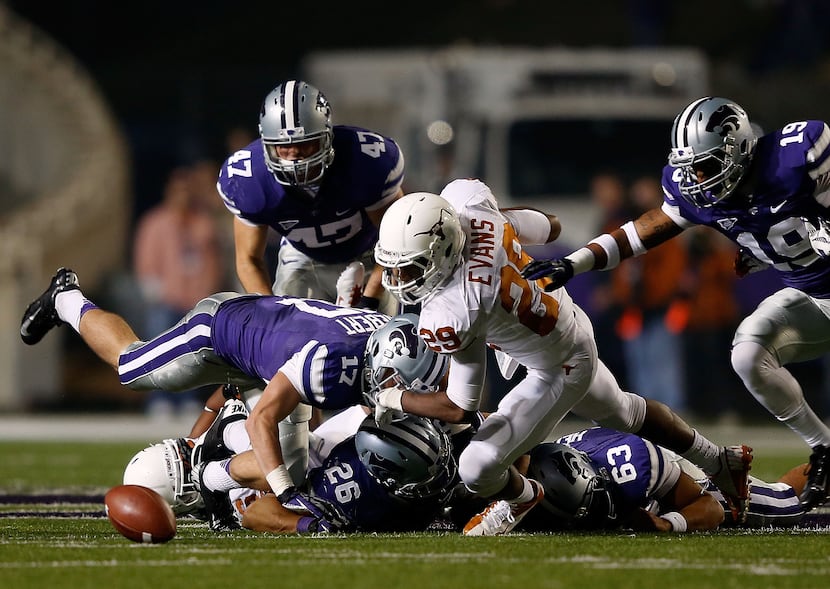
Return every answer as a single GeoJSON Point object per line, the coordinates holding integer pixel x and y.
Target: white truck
{"type": "Point", "coordinates": [534, 124]}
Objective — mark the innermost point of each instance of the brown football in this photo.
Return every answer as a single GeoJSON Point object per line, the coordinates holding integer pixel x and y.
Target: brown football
{"type": "Point", "coordinates": [140, 514]}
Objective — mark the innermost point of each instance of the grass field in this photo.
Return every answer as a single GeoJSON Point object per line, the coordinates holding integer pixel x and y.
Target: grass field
{"type": "Point", "coordinates": [53, 534]}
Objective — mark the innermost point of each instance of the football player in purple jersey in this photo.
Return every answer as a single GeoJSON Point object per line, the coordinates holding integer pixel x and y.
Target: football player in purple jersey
{"type": "Point", "coordinates": [363, 477]}
{"type": "Point", "coordinates": [392, 477]}
{"type": "Point", "coordinates": [322, 187]}
{"type": "Point", "coordinates": [601, 478]}
{"type": "Point", "coordinates": [769, 194]}
{"type": "Point", "coordinates": [301, 350]}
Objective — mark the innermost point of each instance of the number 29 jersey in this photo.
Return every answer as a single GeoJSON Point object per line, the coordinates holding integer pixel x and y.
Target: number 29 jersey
{"type": "Point", "coordinates": [488, 299]}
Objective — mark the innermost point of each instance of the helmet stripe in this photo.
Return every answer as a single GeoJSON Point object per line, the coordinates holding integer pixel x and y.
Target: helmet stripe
{"type": "Point", "coordinates": [291, 105]}
{"type": "Point", "coordinates": [681, 124]}
{"type": "Point", "coordinates": [436, 369]}
{"type": "Point", "coordinates": [407, 435]}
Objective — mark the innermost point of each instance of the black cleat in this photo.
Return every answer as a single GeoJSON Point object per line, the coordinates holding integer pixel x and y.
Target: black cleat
{"type": "Point", "coordinates": [40, 315]}
{"type": "Point", "coordinates": [817, 489]}
{"type": "Point", "coordinates": [231, 391]}
{"type": "Point", "coordinates": [218, 508]}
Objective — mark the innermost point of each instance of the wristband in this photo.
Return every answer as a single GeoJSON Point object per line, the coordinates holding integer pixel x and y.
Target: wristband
{"type": "Point", "coordinates": [279, 480]}
{"type": "Point", "coordinates": [612, 251]}
{"type": "Point", "coordinates": [676, 519]}
{"type": "Point", "coordinates": [582, 259]}
{"type": "Point", "coordinates": [208, 409]}
{"type": "Point", "coordinates": [391, 398]}
{"type": "Point", "coordinates": [638, 248]}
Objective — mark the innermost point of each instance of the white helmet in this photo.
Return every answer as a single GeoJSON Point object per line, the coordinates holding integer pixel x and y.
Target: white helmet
{"type": "Point", "coordinates": [296, 112]}
{"type": "Point", "coordinates": [420, 244]}
{"type": "Point", "coordinates": [165, 468]}
{"type": "Point", "coordinates": [395, 355]}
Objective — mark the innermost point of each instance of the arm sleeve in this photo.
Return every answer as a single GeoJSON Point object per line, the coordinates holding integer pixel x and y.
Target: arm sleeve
{"type": "Point", "coordinates": [465, 383]}
{"type": "Point", "coordinates": [532, 227]}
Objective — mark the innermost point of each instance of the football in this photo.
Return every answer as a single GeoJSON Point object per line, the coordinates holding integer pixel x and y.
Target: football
{"type": "Point", "coordinates": [140, 514]}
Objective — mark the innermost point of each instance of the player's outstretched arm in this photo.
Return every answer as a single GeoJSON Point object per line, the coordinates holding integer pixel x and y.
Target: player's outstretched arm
{"type": "Point", "coordinates": [267, 515]}
{"type": "Point", "coordinates": [607, 250]}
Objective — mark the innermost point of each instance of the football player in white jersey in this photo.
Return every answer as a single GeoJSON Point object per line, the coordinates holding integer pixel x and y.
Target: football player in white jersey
{"type": "Point", "coordinates": [460, 257]}
{"type": "Point", "coordinates": [770, 195]}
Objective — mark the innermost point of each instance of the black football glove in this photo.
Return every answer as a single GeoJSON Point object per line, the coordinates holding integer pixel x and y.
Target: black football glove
{"type": "Point", "coordinates": [746, 263]}
{"type": "Point", "coordinates": [560, 271]}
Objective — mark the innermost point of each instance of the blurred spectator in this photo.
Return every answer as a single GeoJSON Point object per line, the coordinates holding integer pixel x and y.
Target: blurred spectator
{"type": "Point", "coordinates": [239, 137]}
{"type": "Point", "coordinates": [608, 194]}
{"type": "Point", "coordinates": [177, 263]}
{"type": "Point", "coordinates": [655, 310]}
{"type": "Point", "coordinates": [714, 315]}
{"type": "Point", "coordinates": [204, 173]}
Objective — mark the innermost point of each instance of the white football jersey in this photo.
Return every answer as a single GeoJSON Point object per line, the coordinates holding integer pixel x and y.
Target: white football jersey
{"type": "Point", "coordinates": [488, 299]}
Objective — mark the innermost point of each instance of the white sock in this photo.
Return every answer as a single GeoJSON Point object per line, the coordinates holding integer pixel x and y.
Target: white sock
{"type": "Point", "coordinates": [235, 437]}
{"type": "Point", "coordinates": [526, 494]}
{"type": "Point", "coordinates": [217, 478]}
{"type": "Point", "coordinates": [69, 306]}
{"type": "Point", "coordinates": [807, 424]}
{"type": "Point", "coordinates": [704, 453]}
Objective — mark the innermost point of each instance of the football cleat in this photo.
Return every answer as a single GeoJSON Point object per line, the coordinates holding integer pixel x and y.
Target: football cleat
{"type": "Point", "coordinates": [733, 479]}
{"type": "Point", "coordinates": [500, 517]}
{"type": "Point", "coordinates": [817, 489]}
{"type": "Point", "coordinates": [40, 315]}
{"type": "Point", "coordinates": [218, 508]}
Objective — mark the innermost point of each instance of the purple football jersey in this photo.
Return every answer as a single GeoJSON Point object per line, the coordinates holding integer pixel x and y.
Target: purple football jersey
{"type": "Point", "coordinates": [765, 213]}
{"type": "Point", "coordinates": [639, 469]}
{"type": "Point", "coordinates": [345, 483]}
{"type": "Point", "coordinates": [331, 226]}
{"type": "Point", "coordinates": [324, 344]}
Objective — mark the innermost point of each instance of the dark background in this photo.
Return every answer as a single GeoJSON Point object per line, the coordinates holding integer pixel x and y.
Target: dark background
{"type": "Point", "coordinates": [180, 74]}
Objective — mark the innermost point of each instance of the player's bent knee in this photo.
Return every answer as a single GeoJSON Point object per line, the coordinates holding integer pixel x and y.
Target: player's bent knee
{"type": "Point", "coordinates": [748, 361]}
{"type": "Point", "coordinates": [480, 468]}
{"type": "Point", "coordinates": [629, 415]}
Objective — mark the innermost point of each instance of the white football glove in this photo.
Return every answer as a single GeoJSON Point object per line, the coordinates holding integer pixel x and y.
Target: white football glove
{"type": "Point", "coordinates": [388, 405]}
{"type": "Point", "coordinates": [819, 235]}
{"type": "Point", "coordinates": [350, 285]}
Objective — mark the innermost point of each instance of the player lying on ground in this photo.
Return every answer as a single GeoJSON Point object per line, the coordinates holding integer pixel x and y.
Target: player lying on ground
{"type": "Point", "coordinates": [601, 478]}
{"type": "Point", "coordinates": [394, 355]}
{"type": "Point", "coordinates": [459, 256]}
{"type": "Point", "coordinates": [304, 350]}
{"type": "Point", "coordinates": [363, 477]}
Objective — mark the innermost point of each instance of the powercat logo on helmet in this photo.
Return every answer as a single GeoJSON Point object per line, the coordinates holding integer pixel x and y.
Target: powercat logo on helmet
{"type": "Point", "coordinates": [724, 120]}
{"type": "Point", "coordinates": [399, 340]}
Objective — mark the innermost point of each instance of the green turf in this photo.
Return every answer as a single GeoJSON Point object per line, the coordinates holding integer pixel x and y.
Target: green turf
{"type": "Point", "coordinates": [85, 552]}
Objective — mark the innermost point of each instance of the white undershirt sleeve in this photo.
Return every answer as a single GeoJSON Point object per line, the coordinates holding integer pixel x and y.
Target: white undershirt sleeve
{"type": "Point", "coordinates": [532, 227]}
{"type": "Point", "coordinates": [465, 383]}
